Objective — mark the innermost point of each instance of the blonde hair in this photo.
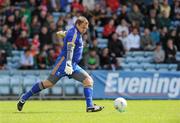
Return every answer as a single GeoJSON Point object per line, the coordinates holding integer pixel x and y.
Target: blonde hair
{"type": "Point", "coordinates": [81, 19]}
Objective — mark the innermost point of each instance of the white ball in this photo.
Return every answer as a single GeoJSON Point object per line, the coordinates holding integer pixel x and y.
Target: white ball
{"type": "Point", "coordinates": [120, 104]}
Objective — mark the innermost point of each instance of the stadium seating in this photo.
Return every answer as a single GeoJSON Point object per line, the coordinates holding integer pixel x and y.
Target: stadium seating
{"type": "Point", "coordinates": [4, 84]}
{"type": "Point", "coordinates": [15, 82]}
{"type": "Point", "coordinates": [69, 87]}
{"type": "Point", "coordinates": [102, 42]}
{"type": "Point", "coordinates": [13, 62]}
{"type": "Point", "coordinates": [99, 31]}
{"type": "Point", "coordinates": [143, 61]}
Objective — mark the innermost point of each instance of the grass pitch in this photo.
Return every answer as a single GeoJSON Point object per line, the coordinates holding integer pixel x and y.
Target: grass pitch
{"type": "Point", "coordinates": [140, 111]}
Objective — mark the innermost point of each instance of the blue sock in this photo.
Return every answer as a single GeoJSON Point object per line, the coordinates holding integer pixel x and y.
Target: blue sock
{"type": "Point", "coordinates": [88, 92]}
{"type": "Point", "coordinates": [35, 89]}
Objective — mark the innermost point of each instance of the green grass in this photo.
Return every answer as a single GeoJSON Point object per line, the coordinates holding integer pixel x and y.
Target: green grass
{"type": "Point", "coordinates": [140, 111]}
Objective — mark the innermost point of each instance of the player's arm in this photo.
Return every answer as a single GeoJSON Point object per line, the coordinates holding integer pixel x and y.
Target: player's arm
{"type": "Point", "coordinates": [61, 34]}
{"type": "Point", "coordinates": [70, 51]}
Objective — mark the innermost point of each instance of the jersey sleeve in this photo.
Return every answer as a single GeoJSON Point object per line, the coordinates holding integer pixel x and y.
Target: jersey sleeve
{"type": "Point", "coordinates": [71, 37]}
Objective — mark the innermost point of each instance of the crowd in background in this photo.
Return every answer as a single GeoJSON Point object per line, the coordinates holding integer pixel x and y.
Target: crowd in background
{"type": "Point", "coordinates": [129, 25]}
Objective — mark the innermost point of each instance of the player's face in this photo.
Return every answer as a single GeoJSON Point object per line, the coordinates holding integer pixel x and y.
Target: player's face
{"type": "Point", "coordinates": [83, 27]}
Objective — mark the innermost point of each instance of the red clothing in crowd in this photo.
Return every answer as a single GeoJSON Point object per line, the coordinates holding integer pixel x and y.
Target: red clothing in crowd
{"type": "Point", "coordinates": [24, 26]}
{"type": "Point", "coordinates": [36, 43]}
{"type": "Point", "coordinates": [1, 2]}
{"type": "Point", "coordinates": [22, 43]}
{"type": "Point", "coordinates": [113, 4]}
{"type": "Point", "coordinates": [44, 2]}
{"type": "Point", "coordinates": [76, 5]}
{"type": "Point", "coordinates": [108, 30]}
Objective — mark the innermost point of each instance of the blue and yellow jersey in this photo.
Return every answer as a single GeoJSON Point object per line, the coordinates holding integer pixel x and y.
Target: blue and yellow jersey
{"type": "Point", "coordinates": [73, 36]}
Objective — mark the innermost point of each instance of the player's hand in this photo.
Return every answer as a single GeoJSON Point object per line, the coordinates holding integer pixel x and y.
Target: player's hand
{"type": "Point", "coordinates": [60, 34]}
{"type": "Point", "coordinates": [68, 68]}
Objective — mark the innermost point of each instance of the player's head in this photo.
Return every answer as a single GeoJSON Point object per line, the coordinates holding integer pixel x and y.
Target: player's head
{"type": "Point", "coordinates": [82, 24]}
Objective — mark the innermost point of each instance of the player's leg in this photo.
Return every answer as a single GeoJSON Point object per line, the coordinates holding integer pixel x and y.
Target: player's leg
{"type": "Point", "coordinates": [39, 86]}
{"type": "Point", "coordinates": [82, 76]}
{"type": "Point", "coordinates": [36, 88]}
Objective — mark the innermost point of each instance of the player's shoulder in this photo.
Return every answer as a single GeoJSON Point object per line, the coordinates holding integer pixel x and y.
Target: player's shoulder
{"type": "Point", "coordinates": [72, 31]}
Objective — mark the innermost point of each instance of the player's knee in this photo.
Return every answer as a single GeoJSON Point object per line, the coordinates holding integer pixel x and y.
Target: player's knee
{"type": "Point", "coordinates": [47, 84]}
{"type": "Point", "coordinates": [88, 82]}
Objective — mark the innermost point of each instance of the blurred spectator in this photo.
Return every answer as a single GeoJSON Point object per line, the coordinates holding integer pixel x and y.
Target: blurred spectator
{"type": "Point", "coordinates": [22, 42]}
{"type": "Point", "coordinates": [10, 21]}
{"type": "Point", "coordinates": [92, 60]}
{"type": "Point", "coordinates": [42, 59]}
{"type": "Point", "coordinates": [9, 10]}
{"type": "Point", "coordinates": [164, 21]}
{"type": "Point", "coordinates": [155, 6]}
{"type": "Point", "coordinates": [123, 13]}
{"type": "Point", "coordinates": [134, 40]}
{"type": "Point", "coordinates": [108, 13]}
{"type": "Point", "coordinates": [105, 59]}
{"type": "Point", "coordinates": [17, 15]}
{"type": "Point", "coordinates": [175, 9]}
{"type": "Point", "coordinates": [86, 42]}
{"type": "Point", "coordinates": [4, 29]}
{"type": "Point", "coordinates": [122, 27]}
{"type": "Point", "coordinates": [98, 14]}
{"type": "Point", "coordinates": [69, 22]}
{"type": "Point", "coordinates": [26, 61]}
{"type": "Point", "coordinates": [52, 31]}
{"type": "Point", "coordinates": [42, 17]}
{"type": "Point", "coordinates": [25, 12]}
{"type": "Point", "coordinates": [5, 46]}
{"type": "Point", "coordinates": [23, 24]}
{"type": "Point", "coordinates": [155, 35]}
{"type": "Point", "coordinates": [108, 29]}
{"type": "Point", "coordinates": [51, 58]}
{"type": "Point", "coordinates": [165, 8]}
{"type": "Point", "coordinates": [35, 45]}
{"type": "Point", "coordinates": [57, 6]}
{"type": "Point", "coordinates": [135, 15]}
{"type": "Point", "coordinates": [61, 22]}
{"type": "Point", "coordinates": [159, 54]}
{"type": "Point", "coordinates": [115, 46]}
{"type": "Point", "coordinates": [164, 37]}
{"type": "Point", "coordinates": [16, 31]}
{"type": "Point", "coordinates": [49, 19]}
{"type": "Point", "coordinates": [35, 26]}
{"type": "Point", "coordinates": [146, 41]}
{"type": "Point", "coordinates": [151, 20]}
{"type": "Point", "coordinates": [35, 41]}
{"type": "Point", "coordinates": [45, 37]}
{"type": "Point", "coordinates": [173, 34]}
{"type": "Point", "coordinates": [3, 59]}
{"type": "Point", "coordinates": [89, 3]}
{"type": "Point", "coordinates": [9, 36]}
{"type": "Point", "coordinates": [124, 39]}
{"type": "Point", "coordinates": [170, 52]}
